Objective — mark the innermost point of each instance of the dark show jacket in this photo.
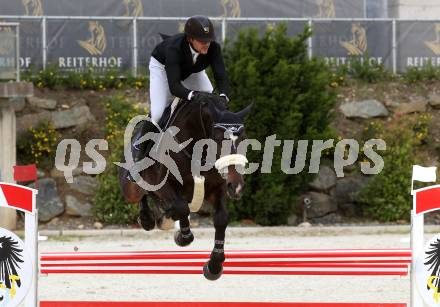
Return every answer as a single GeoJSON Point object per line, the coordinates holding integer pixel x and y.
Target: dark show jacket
{"type": "Point", "coordinates": [174, 52]}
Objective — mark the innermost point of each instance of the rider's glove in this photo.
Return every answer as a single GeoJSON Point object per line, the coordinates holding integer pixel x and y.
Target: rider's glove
{"type": "Point", "coordinates": [192, 95]}
{"type": "Point", "coordinates": [225, 98]}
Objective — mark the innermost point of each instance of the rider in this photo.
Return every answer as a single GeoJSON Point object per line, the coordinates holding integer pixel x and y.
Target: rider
{"type": "Point", "coordinates": [177, 67]}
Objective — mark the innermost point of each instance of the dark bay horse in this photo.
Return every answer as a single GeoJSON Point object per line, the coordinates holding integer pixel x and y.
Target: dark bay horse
{"type": "Point", "coordinates": [205, 126]}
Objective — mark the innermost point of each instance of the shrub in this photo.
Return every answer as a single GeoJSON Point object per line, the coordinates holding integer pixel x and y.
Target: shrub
{"type": "Point", "coordinates": [362, 69]}
{"type": "Point", "coordinates": [88, 79]}
{"type": "Point", "coordinates": [38, 145]}
{"type": "Point", "coordinates": [424, 73]}
{"type": "Point", "coordinates": [48, 77]}
{"type": "Point", "coordinates": [110, 207]}
{"type": "Point", "coordinates": [291, 97]}
{"type": "Point", "coordinates": [387, 196]}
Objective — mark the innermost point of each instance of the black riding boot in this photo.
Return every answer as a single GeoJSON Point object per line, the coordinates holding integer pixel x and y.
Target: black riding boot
{"type": "Point", "coordinates": [139, 150]}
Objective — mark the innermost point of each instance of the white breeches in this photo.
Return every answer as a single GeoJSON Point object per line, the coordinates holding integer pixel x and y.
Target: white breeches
{"type": "Point", "coordinates": [160, 95]}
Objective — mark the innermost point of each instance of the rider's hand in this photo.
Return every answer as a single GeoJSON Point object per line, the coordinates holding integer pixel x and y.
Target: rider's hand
{"type": "Point", "coordinates": [192, 95]}
{"type": "Point", "coordinates": [225, 99]}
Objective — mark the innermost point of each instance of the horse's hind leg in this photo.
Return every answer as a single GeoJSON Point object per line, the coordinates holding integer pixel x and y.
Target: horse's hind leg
{"type": "Point", "coordinates": [213, 269]}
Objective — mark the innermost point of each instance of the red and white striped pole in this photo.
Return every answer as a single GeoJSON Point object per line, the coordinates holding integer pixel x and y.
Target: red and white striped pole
{"type": "Point", "coordinates": [424, 200]}
{"type": "Point", "coordinates": [24, 199]}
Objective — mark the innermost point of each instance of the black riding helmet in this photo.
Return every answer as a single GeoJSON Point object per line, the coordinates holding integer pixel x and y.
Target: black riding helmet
{"type": "Point", "coordinates": [200, 28]}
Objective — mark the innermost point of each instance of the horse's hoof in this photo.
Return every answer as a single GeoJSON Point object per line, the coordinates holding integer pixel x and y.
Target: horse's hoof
{"type": "Point", "coordinates": [211, 276]}
{"type": "Point", "coordinates": [183, 240]}
{"type": "Point", "coordinates": [147, 224]}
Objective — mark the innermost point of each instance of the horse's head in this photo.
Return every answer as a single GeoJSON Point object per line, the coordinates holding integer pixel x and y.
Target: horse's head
{"type": "Point", "coordinates": [228, 131]}
{"type": "Point", "coordinates": [211, 120]}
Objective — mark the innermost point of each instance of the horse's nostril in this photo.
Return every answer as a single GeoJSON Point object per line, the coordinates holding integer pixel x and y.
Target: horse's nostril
{"type": "Point", "coordinates": [234, 189]}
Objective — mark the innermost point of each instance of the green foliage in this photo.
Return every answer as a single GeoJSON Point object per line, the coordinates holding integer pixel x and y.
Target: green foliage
{"type": "Point", "coordinates": [110, 207]}
{"type": "Point", "coordinates": [47, 77]}
{"type": "Point", "coordinates": [387, 196]}
{"type": "Point", "coordinates": [418, 74]}
{"type": "Point", "coordinates": [88, 79]}
{"type": "Point", "coordinates": [38, 145]}
{"type": "Point", "coordinates": [292, 98]}
{"type": "Point", "coordinates": [364, 68]}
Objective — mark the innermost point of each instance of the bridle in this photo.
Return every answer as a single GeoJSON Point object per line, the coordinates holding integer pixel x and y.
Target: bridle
{"type": "Point", "coordinates": [231, 131]}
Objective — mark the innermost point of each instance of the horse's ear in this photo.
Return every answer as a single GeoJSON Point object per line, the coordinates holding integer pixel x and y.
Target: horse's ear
{"type": "Point", "coordinates": [243, 113]}
{"type": "Point", "coordinates": [164, 36]}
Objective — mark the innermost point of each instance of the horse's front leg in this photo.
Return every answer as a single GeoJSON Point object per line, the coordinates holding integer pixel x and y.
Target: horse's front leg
{"type": "Point", "coordinates": [180, 211]}
{"type": "Point", "coordinates": [213, 269]}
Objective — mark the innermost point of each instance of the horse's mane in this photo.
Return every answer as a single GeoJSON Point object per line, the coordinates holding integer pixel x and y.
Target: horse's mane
{"type": "Point", "coordinates": [212, 99]}
{"type": "Point", "coordinates": [215, 103]}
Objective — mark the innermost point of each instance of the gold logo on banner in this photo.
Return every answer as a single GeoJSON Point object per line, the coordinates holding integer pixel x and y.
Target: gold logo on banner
{"type": "Point", "coordinates": [6, 45]}
{"type": "Point", "coordinates": [133, 8]}
{"type": "Point", "coordinates": [33, 7]}
{"type": "Point", "coordinates": [435, 44]}
{"type": "Point", "coordinates": [231, 8]}
{"type": "Point", "coordinates": [358, 43]}
{"type": "Point", "coordinates": [97, 42]}
{"type": "Point", "coordinates": [326, 9]}
{"type": "Point", "coordinates": [181, 27]}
